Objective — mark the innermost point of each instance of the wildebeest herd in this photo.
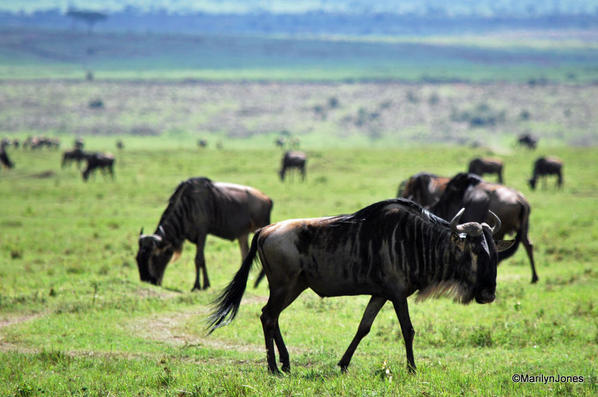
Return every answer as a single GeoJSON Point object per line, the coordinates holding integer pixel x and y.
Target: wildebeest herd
{"type": "Point", "coordinates": [94, 160]}
{"type": "Point", "coordinates": [440, 236]}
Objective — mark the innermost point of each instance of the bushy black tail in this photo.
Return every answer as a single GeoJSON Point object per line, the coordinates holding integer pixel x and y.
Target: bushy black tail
{"type": "Point", "coordinates": [227, 304]}
{"type": "Point", "coordinates": [511, 250]}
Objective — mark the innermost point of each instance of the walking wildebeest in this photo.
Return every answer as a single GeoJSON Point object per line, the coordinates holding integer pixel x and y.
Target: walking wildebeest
{"type": "Point", "coordinates": [199, 207]}
{"type": "Point", "coordinates": [481, 166]}
{"type": "Point", "coordinates": [388, 250]}
{"type": "Point", "coordinates": [76, 155]}
{"type": "Point", "coordinates": [545, 166]}
{"type": "Point", "coordinates": [528, 141]}
{"type": "Point", "coordinates": [103, 161]}
{"type": "Point", "coordinates": [476, 196]}
{"type": "Point", "coordinates": [293, 159]}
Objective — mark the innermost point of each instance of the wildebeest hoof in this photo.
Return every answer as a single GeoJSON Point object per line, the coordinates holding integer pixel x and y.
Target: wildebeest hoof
{"type": "Point", "coordinates": [195, 288]}
{"type": "Point", "coordinates": [534, 280]}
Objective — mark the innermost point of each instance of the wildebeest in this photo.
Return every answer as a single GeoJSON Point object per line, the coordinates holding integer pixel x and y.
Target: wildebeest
{"type": "Point", "coordinates": [280, 142]}
{"type": "Point", "coordinates": [545, 166]}
{"type": "Point", "coordinates": [423, 188]}
{"type": "Point", "coordinates": [38, 142]}
{"type": "Point", "coordinates": [293, 159]}
{"type": "Point", "coordinates": [388, 250]}
{"type": "Point", "coordinates": [102, 161]}
{"type": "Point", "coordinates": [76, 155]}
{"type": "Point", "coordinates": [79, 143]}
{"type": "Point", "coordinates": [481, 166]}
{"type": "Point", "coordinates": [199, 207]}
{"type": "Point", "coordinates": [202, 143]}
{"type": "Point", "coordinates": [477, 197]}
{"type": "Point", "coordinates": [528, 141]}
{"type": "Point", "coordinates": [4, 159]}
{"type": "Point", "coordinates": [120, 145]}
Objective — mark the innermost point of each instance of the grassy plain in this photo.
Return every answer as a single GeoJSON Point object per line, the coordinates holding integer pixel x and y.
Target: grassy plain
{"type": "Point", "coordinates": [75, 319]}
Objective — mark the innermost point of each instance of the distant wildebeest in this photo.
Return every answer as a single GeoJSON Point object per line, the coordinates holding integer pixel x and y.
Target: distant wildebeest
{"type": "Point", "coordinates": [102, 161]}
{"type": "Point", "coordinates": [477, 197]}
{"type": "Point", "coordinates": [120, 145]}
{"type": "Point", "coordinates": [528, 141]}
{"type": "Point", "coordinates": [545, 166]}
{"type": "Point", "coordinates": [199, 207]}
{"type": "Point", "coordinates": [481, 166]}
{"type": "Point", "coordinates": [79, 143]}
{"type": "Point", "coordinates": [40, 142]}
{"type": "Point", "coordinates": [293, 159]}
{"type": "Point", "coordinates": [280, 142]}
{"type": "Point", "coordinates": [202, 143]}
{"type": "Point", "coordinates": [423, 188]}
{"type": "Point", "coordinates": [4, 159]}
{"type": "Point", "coordinates": [76, 155]}
{"type": "Point", "coordinates": [388, 250]}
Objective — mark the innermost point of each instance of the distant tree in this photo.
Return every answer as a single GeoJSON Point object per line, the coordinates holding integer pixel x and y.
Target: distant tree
{"type": "Point", "coordinates": [86, 16]}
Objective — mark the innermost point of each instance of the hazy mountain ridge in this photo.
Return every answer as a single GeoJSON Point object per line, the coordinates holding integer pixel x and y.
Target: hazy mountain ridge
{"type": "Point", "coordinates": [315, 22]}
{"type": "Point", "coordinates": [486, 8]}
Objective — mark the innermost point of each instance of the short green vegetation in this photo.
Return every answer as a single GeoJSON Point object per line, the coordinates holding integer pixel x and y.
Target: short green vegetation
{"type": "Point", "coordinates": [76, 320]}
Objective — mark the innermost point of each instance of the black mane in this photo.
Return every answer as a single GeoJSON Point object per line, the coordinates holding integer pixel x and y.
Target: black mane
{"type": "Point", "coordinates": [373, 210]}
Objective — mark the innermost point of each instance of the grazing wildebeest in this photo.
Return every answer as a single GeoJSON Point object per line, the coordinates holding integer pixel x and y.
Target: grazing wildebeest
{"type": "Point", "coordinates": [293, 159]}
{"type": "Point", "coordinates": [423, 188]}
{"type": "Point", "coordinates": [199, 207]}
{"type": "Point", "coordinates": [102, 161]}
{"type": "Point", "coordinates": [481, 166]}
{"type": "Point", "coordinates": [76, 155]}
{"type": "Point", "coordinates": [545, 166]}
{"type": "Point", "coordinates": [477, 196]}
{"type": "Point", "coordinates": [388, 250]}
{"type": "Point", "coordinates": [528, 141]}
{"type": "Point", "coordinates": [120, 145]}
{"type": "Point", "coordinates": [202, 143]}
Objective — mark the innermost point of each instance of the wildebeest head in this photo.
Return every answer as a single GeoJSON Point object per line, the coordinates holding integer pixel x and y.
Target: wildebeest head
{"type": "Point", "coordinates": [476, 241]}
{"type": "Point", "coordinates": [532, 183]}
{"type": "Point", "coordinates": [153, 256]}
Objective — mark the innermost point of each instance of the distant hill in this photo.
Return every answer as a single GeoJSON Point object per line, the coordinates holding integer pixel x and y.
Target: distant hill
{"type": "Point", "coordinates": [454, 8]}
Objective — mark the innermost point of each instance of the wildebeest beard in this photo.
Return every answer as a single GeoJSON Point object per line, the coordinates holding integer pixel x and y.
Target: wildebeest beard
{"type": "Point", "coordinates": [478, 284]}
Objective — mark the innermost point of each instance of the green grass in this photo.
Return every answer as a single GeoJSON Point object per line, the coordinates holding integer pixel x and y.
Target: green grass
{"type": "Point", "coordinates": [39, 54]}
{"type": "Point", "coordinates": [75, 319]}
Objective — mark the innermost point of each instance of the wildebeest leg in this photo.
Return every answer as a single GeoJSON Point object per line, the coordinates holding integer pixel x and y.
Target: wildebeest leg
{"type": "Point", "coordinates": [200, 263]}
{"type": "Point", "coordinates": [259, 278]}
{"type": "Point", "coordinates": [559, 181]}
{"type": "Point", "coordinates": [500, 177]}
{"type": "Point", "coordinates": [529, 248]}
{"type": "Point", "coordinates": [371, 311]}
{"type": "Point", "coordinates": [303, 173]}
{"type": "Point", "coordinates": [279, 299]}
{"type": "Point", "coordinates": [244, 246]}
{"type": "Point", "coordinates": [402, 311]}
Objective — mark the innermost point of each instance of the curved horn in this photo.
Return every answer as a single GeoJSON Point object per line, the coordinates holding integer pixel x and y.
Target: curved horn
{"type": "Point", "coordinates": [161, 230]}
{"type": "Point", "coordinates": [497, 222]}
{"type": "Point", "coordinates": [455, 221]}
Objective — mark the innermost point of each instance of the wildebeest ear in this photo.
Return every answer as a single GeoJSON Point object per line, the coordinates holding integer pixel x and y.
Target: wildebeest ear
{"type": "Point", "coordinates": [503, 245]}
{"type": "Point", "coordinates": [141, 231]}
